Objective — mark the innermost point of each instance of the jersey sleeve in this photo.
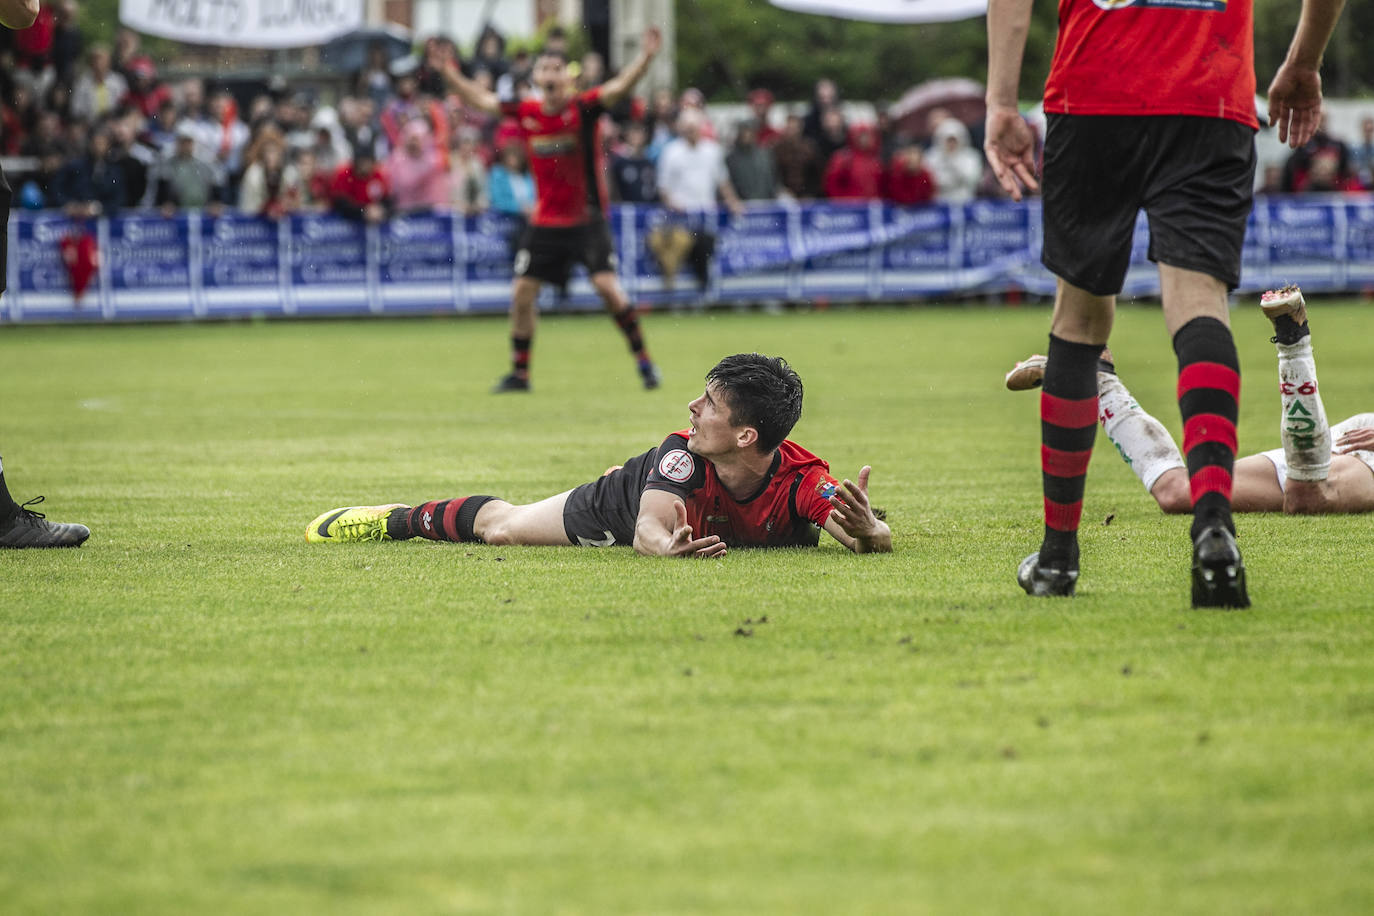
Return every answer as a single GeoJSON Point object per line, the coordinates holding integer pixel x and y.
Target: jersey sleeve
{"type": "Point", "coordinates": [676, 469]}
{"type": "Point", "coordinates": [812, 501]}
{"type": "Point", "coordinates": [511, 108]}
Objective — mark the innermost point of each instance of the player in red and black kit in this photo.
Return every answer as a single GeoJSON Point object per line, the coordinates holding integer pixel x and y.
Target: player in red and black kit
{"type": "Point", "coordinates": [562, 137]}
{"type": "Point", "coordinates": [732, 479]}
{"type": "Point", "coordinates": [1150, 103]}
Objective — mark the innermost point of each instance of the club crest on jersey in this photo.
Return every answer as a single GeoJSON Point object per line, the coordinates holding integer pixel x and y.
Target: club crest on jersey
{"type": "Point", "coordinates": [677, 465]}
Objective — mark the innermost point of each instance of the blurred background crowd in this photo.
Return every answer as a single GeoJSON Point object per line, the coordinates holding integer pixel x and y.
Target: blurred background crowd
{"type": "Point", "coordinates": [95, 129]}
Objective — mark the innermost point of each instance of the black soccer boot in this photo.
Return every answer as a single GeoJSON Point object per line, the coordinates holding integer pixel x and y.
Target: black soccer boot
{"type": "Point", "coordinates": [1218, 571]}
{"type": "Point", "coordinates": [1044, 582]}
{"type": "Point", "coordinates": [511, 382]}
{"type": "Point", "coordinates": [31, 529]}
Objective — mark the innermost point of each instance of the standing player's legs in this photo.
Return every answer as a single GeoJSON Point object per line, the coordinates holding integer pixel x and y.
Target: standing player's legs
{"type": "Point", "coordinates": [598, 255]}
{"type": "Point", "coordinates": [607, 285]}
{"type": "Point", "coordinates": [1090, 198]}
{"type": "Point", "coordinates": [1068, 424]}
{"type": "Point", "coordinates": [21, 526]}
{"type": "Point", "coordinates": [471, 519]}
{"type": "Point", "coordinates": [544, 256]}
{"type": "Point", "coordinates": [524, 315]}
{"type": "Point", "coordinates": [1199, 193]}
{"type": "Point", "coordinates": [1196, 315]}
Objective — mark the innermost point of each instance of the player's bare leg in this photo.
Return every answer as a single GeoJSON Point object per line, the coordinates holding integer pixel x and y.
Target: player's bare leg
{"type": "Point", "coordinates": [524, 315]}
{"type": "Point", "coordinates": [535, 524]}
{"type": "Point", "coordinates": [1068, 424]}
{"type": "Point", "coordinates": [607, 286]}
{"type": "Point", "coordinates": [1196, 315]}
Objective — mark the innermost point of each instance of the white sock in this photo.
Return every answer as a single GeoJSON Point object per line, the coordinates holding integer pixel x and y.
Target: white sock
{"type": "Point", "coordinates": [1303, 426]}
{"type": "Point", "coordinates": [1143, 442]}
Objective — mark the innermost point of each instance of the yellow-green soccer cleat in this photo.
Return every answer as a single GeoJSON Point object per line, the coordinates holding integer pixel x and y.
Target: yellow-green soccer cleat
{"type": "Point", "coordinates": [351, 524]}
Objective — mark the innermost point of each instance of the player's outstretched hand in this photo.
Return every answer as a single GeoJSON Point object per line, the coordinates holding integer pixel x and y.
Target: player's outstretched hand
{"type": "Point", "coordinates": [684, 545]}
{"type": "Point", "coordinates": [1356, 440]}
{"type": "Point", "coordinates": [652, 41]}
{"type": "Point", "coordinates": [1295, 103]}
{"type": "Point", "coordinates": [852, 512]}
{"type": "Point", "coordinates": [1009, 145]}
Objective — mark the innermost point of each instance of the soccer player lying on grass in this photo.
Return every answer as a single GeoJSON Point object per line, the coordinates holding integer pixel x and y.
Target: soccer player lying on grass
{"type": "Point", "coordinates": [1319, 469]}
{"type": "Point", "coordinates": [732, 479]}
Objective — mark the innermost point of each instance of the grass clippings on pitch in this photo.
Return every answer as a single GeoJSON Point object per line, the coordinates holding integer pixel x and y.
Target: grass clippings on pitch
{"type": "Point", "coordinates": [199, 712]}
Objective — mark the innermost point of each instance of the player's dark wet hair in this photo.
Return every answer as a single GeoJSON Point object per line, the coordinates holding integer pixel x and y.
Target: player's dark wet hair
{"type": "Point", "coordinates": [561, 56]}
{"type": "Point", "coordinates": [761, 391]}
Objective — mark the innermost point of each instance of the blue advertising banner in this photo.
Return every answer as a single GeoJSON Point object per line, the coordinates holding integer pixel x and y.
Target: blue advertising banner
{"type": "Point", "coordinates": [333, 266]}
{"type": "Point", "coordinates": [242, 267]}
{"type": "Point", "coordinates": [148, 266]}
{"type": "Point", "coordinates": [416, 265]}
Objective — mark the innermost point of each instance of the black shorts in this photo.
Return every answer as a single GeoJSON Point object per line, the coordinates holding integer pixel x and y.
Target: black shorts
{"type": "Point", "coordinates": [548, 253]}
{"type": "Point", "coordinates": [1193, 176]}
{"type": "Point", "coordinates": [603, 513]}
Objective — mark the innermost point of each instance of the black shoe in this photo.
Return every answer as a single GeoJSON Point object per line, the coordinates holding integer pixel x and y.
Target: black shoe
{"type": "Point", "coordinates": [1218, 571]}
{"type": "Point", "coordinates": [1042, 582]}
{"type": "Point", "coordinates": [648, 373]}
{"type": "Point", "coordinates": [511, 382]}
{"type": "Point", "coordinates": [30, 529]}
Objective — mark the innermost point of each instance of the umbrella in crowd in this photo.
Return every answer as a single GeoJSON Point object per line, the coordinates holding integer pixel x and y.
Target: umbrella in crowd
{"type": "Point", "coordinates": [349, 51]}
{"type": "Point", "coordinates": [962, 98]}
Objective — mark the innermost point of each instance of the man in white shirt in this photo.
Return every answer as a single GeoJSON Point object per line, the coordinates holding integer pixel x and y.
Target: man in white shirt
{"type": "Point", "coordinates": [691, 172]}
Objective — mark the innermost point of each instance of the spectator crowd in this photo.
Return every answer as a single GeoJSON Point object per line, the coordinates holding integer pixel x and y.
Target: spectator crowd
{"type": "Point", "coordinates": [105, 133]}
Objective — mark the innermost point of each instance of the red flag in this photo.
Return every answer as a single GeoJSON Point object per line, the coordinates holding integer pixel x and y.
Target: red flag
{"type": "Point", "coordinates": [82, 259]}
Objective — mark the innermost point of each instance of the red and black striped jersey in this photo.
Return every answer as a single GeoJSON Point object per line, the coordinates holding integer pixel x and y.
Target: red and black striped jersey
{"type": "Point", "coordinates": [786, 510]}
{"type": "Point", "coordinates": [564, 151]}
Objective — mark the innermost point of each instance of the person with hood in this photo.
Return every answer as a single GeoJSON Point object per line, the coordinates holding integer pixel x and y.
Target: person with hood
{"type": "Point", "coordinates": [856, 172]}
{"type": "Point", "coordinates": [416, 173]}
{"type": "Point", "coordinates": [954, 163]}
{"type": "Point", "coordinates": [909, 182]}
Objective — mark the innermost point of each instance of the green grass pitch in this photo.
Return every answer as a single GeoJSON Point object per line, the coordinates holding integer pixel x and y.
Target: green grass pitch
{"type": "Point", "coordinates": [200, 713]}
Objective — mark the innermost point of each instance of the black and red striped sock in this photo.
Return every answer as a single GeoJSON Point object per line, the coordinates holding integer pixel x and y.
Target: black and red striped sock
{"type": "Point", "coordinates": [628, 322]}
{"type": "Point", "coordinates": [520, 356]}
{"type": "Point", "coordinates": [1068, 425]}
{"type": "Point", "coordinates": [438, 520]}
{"type": "Point", "coordinates": [1209, 401]}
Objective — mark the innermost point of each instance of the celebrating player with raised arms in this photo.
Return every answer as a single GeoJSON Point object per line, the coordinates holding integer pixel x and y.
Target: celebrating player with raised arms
{"type": "Point", "coordinates": [562, 137]}
{"type": "Point", "coordinates": [732, 479]}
